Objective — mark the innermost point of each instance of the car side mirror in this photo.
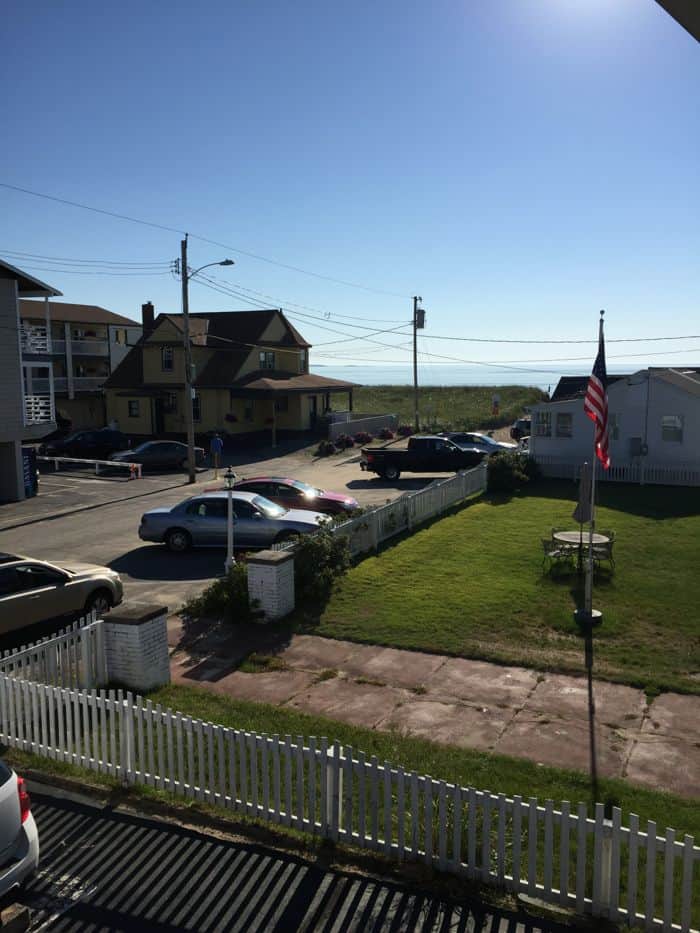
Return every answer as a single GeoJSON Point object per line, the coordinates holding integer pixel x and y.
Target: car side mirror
{"type": "Point", "coordinates": [257, 514]}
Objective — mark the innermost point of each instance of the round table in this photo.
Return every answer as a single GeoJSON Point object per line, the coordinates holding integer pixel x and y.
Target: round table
{"type": "Point", "coordinates": [575, 537]}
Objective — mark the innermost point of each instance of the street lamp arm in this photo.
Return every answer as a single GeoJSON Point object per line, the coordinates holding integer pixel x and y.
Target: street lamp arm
{"type": "Point", "coordinates": [224, 262]}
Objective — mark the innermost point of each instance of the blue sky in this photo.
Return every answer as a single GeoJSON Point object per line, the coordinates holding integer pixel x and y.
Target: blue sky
{"type": "Point", "coordinates": [518, 164]}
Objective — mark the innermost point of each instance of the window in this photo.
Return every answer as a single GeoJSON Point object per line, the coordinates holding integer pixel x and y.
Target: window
{"type": "Point", "coordinates": [614, 426]}
{"type": "Point", "coordinates": [543, 423]}
{"type": "Point", "coordinates": [564, 424]}
{"type": "Point", "coordinates": [282, 404]}
{"type": "Point", "coordinates": [208, 508]}
{"type": "Point", "coordinates": [166, 359]}
{"type": "Point", "coordinates": [249, 411]}
{"type": "Point", "coordinates": [267, 359]}
{"type": "Point", "coordinates": [9, 583]}
{"type": "Point", "coordinates": [243, 509]}
{"type": "Point", "coordinates": [303, 361]}
{"type": "Point", "coordinates": [120, 335]}
{"type": "Point", "coordinates": [170, 403]}
{"type": "Point", "coordinates": [672, 428]}
{"type": "Point", "coordinates": [33, 577]}
{"type": "Point", "coordinates": [196, 408]}
{"type": "Point", "coordinates": [134, 408]}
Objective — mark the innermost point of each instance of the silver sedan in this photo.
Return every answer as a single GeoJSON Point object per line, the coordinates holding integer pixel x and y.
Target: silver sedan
{"type": "Point", "coordinates": [202, 521]}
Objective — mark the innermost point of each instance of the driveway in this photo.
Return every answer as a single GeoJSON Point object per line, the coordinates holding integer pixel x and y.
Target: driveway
{"type": "Point", "coordinates": [82, 517]}
{"type": "Point", "coordinates": [110, 869]}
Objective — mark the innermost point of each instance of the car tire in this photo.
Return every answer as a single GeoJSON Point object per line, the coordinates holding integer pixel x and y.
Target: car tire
{"type": "Point", "coordinates": [392, 473]}
{"type": "Point", "coordinates": [178, 540]}
{"type": "Point", "coordinates": [100, 601]}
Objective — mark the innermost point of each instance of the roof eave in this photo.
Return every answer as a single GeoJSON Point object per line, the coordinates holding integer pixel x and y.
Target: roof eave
{"type": "Point", "coordinates": [35, 287]}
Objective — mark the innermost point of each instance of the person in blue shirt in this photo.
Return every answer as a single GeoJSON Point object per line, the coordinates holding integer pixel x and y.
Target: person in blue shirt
{"type": "Point", "coordinates": [215, 449]}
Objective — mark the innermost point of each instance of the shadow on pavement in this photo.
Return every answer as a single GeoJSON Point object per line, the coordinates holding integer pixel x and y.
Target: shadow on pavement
{"type": "Point", "coordinates": [155, 562]}
{"type": "Point", "coordinates": [123, 871]}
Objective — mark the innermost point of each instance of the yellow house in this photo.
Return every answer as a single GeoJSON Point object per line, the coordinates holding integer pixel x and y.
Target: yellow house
{"type": "Point", "coordinates": [251, 377]}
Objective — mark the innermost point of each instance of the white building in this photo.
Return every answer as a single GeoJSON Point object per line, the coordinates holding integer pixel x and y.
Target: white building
{"type": "Point", "coordinates": [654, 427]}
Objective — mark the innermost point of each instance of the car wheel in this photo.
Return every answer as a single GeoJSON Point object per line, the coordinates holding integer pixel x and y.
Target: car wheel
{"type": "Point", "coordinates": [392, 473]}
{"type": "Point", "coordinates": [99, 602]}
{"type": "Point", "coordinates": [178, 540]}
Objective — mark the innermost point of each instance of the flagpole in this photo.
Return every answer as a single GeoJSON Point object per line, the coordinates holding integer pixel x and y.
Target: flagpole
{"type": "Point", "coordinates": [588, 603]}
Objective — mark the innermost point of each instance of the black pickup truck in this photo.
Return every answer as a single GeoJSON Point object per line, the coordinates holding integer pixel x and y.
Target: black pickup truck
{"type": "Point", "coordinates": [423, 455]}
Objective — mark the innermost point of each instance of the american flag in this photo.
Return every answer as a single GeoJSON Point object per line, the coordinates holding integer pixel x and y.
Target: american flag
{"type": "Point", "coordinates": [595, 403]}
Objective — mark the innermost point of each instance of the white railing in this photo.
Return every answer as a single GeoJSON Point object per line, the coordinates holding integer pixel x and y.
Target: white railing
{"type": "Point", "coordinates": [34, 338]}
{"type": "Point", "coordinates": [135, 469]}
{"type": "Point", "coordinates": [38, 409]}
{"type": "Point", "coordinates": [80, 383]}
{"type": "Point", "coordinates": [74, 657]}
{"type": "Point", "coordinates": [83, 347]}
{"type": "Point", "coordinates": [563, 855]}
{"type": "Point", "coordinates": [638, 471]}
{"type": "Point", "coordinates": [368, 530]}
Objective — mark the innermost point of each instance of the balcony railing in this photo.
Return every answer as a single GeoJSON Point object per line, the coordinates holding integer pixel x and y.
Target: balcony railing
{"type": "Point", "coordinates": [60, 384]}
{"type": "Point", "coordinates": [38, 409]}
{"type": "Point", "coordinates": [34, 338]}
{"type": "Point", "coordinates": [82, 347]}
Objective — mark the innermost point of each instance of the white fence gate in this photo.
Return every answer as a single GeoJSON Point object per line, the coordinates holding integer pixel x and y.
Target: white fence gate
{"type": "Point", "coordinates": [563, 855]}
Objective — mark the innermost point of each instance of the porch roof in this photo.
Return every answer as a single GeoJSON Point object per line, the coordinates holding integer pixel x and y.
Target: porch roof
{"type": "Point", "coordinates": [264, 384]}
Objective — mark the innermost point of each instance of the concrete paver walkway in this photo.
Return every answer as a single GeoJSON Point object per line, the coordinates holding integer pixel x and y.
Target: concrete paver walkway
{"type": "Point", "coordinates": [469, 704]}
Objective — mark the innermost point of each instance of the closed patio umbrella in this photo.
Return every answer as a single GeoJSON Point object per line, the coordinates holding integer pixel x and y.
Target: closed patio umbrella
{"type": "Point", "coordinates": [583, 512]}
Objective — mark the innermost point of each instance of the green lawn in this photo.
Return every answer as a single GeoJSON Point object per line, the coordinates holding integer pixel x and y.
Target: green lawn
{"type": "Point", "coordinates": [471, 584]}
{"type": "Point", "coordinates": [459, 407]}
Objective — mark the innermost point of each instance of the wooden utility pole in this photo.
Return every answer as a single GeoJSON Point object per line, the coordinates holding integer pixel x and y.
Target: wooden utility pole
{"type": "Point", "coordinates": [416, 299]}
{"type": "Point", "coordinates": [189, 418]}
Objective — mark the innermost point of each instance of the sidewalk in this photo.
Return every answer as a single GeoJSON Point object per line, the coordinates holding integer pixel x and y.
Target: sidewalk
{"type": "Point", "coordinates": [469, 704]}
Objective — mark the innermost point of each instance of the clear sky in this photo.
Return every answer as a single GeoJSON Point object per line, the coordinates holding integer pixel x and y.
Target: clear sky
{"type": "Point", "coordinates": [518, 163]}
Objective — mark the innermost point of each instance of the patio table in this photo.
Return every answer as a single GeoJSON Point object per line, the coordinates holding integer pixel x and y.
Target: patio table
{"type": "Point", "coordinates": [575, 539]}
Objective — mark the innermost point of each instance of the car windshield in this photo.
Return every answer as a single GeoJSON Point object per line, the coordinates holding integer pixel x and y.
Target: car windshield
{"type": "Point", "coordinates": [142, 447]}
{"type": "Point", "coordinates": [269, 509]}
{"type": "Point", "coordinates": [309, 491]}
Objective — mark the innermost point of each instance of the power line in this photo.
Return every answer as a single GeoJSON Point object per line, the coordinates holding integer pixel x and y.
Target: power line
{"type": "Point", "coordinates": [89, 262]}
{"type": "Point", "coordinates": [202, 239]}
{"type": "Point", "coordinates": [561, 341]}
{"type": "Point", "coordinates": [34, 268]}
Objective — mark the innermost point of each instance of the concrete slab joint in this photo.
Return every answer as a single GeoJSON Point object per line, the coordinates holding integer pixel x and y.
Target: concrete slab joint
{"type": "Point", "coordinates": [136, 647]}
{"type": "Point", "coordinates": [271, 583]}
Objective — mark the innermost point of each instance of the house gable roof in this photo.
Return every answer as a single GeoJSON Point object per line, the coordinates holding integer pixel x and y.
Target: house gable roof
{"type": "Point", "coordinates": [73, 314]}
{"type": "Point", "coordinates": [570, 387]}
{"type": "Point", "coordinates": [686, 379]}
{"type": "Point", "coordinates": [27, 284]}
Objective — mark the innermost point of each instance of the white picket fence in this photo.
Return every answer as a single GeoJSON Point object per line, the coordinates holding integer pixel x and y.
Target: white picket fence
{"type": "Point", "coordinates": [639, 471]}
{"type": "Point", "coordinates": [74, 657]}
{"type": "Point", "coordinates": [565, 856]}
{"type": "Point", "coordinates": [367, 531]}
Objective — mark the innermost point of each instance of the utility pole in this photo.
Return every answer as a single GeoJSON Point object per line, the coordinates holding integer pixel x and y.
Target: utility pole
{"type": "Point", "coordinates": [189, 419]}
{"type": "Point", "coordinates": [418, 322]}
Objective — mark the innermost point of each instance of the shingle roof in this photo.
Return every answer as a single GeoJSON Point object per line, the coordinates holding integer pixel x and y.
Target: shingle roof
{"type": "Point", "coordinates": [264, 381]}
{"type": "Point", "coordinates": [575, 387]}
{"type": "Point", "coordinates": [687, 379]}
{"type": "Point", "coordinates": [74, 314]}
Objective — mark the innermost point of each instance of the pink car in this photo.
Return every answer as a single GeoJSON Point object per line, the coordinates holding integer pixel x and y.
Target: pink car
{"type": "Point", "coordinates": [294, 494]}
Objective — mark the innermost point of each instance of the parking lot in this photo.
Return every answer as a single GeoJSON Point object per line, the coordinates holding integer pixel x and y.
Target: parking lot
{"type": "Point", "coordinates": [82, 517]}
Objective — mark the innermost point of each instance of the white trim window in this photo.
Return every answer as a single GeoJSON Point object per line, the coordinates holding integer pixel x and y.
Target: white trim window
{"type": "Point", "coordinates": [672, 428]}
{"type": "Point", "coordinates": [614, 425]}
{"type": "Point", "coordinates": [303, 361]}
{"type": "Point", "coordinates": [267, 359]}
{"type": "Point", "coordinates": [134, 407]}
{"type": "Point", "coordinates": [543, 423]}
{"type": "Point", "coordinates": [166, 359]}
{"type": "Point", "coordinates": [565, 424]}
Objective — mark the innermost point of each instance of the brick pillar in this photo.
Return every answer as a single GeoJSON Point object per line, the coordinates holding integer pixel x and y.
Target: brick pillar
{"type": "Point", "coordinates": [271, 582]}
{"type": "Point", "coordinates": [136, 647]}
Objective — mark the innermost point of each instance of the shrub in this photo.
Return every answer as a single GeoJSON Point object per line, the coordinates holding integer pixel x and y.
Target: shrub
{"type": "Point", "coordinates": [225, 598]}
{"type": "Point", "coordinates": [343, 441]}
{"type": "Point", "coordinates": [508, 472]}
{"type": "Point", "coordinates": [363, 437]}
{"type": "Point", "coordinates": [386, 434]}
{"type": "Point", "coordinates": [325, 449]}
{"type": "Point", "coordinates": [405, 430]}
{"type": "Point", "coordinates": [319, 560]}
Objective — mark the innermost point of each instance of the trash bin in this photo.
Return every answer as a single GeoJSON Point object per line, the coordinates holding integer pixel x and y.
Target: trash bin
{"type": "Point", "coordinates": [31, 478]}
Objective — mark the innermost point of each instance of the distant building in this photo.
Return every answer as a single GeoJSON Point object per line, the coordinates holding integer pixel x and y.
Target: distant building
{"type": "Point", "coordinates": [251, 377]}
{"type": "Point", "coordinates": [26, 409]}
{"type": "Point", "coordinates": [86, 343]}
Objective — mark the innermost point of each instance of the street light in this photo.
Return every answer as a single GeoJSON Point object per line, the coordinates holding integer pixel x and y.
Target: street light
{"type": "Point", "coordinates": [186, 275]}
{"type": "Point", "coordinates": [229, 480]}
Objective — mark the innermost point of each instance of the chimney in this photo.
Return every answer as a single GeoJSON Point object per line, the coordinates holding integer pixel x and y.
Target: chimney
{"type": "Point", "coordinates": [147, 317]}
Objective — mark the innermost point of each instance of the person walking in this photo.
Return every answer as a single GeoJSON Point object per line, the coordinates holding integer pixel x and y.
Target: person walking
{"type": "Point", "coordinates": [216, 448]}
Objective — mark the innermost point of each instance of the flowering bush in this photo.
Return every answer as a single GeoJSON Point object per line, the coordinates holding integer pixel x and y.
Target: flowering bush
{"type": "Point", "coordinates": [343, 441]}
{"type": "Point", "coordinates": [363, 437]}
{"type": "Point", "coordinates": [386, 434]}
{"type": "Point", "coordinates": [325, 449]}
{"type": "Point", "coordinates": [405, 430]}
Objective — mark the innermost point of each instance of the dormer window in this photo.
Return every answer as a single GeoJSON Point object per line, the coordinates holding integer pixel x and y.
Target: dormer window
{"type": "Point", "coordinates": [267, 359]}
{"type": "Point", "coordinates": [166, 359]}
{"type": "Point", "coordinates": [303, 361]}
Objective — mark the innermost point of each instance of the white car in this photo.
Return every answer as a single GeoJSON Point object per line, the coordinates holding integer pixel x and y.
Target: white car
{"type": "Point", "coordinates": [480, 442]}
{"type": "Point", "coordinates": [19, 838]}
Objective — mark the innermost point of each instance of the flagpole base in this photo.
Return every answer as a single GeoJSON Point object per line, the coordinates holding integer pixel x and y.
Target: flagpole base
{"type": "Point", "coordinates": [584, 618]}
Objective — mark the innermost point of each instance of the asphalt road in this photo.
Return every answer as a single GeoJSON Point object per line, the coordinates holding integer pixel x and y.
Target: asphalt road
{"type": "Point", "coordinates": [106, 869]}
{"type": "Point", "coordinates": [86, 518]}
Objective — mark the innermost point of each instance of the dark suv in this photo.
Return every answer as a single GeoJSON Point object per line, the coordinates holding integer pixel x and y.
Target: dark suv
{"type": "Point", "coordinates": [521, 428]}
{"type": "Point", "coordinates": [87, 445]}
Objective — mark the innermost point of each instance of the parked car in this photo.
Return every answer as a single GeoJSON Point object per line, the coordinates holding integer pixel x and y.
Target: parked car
{"type": "Point", "coordinates": [34, 590]}
{"type": "Point", "coordinates": [19, 838]}
{"type": "Point", "coordinates": [160, 455]}
{"type": "Point", "coordinates": [295, 494]}
{"type": "Point", "coordinates": [433, 454]}
{"type": "Point", "coordinates": [88, 445]}
{"type": "Point", "coordinates": [477, 441]}
{"type": "Point", "coordinates": [202, 521]}
{"type": "Point", "coordinates": [521, 428]}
